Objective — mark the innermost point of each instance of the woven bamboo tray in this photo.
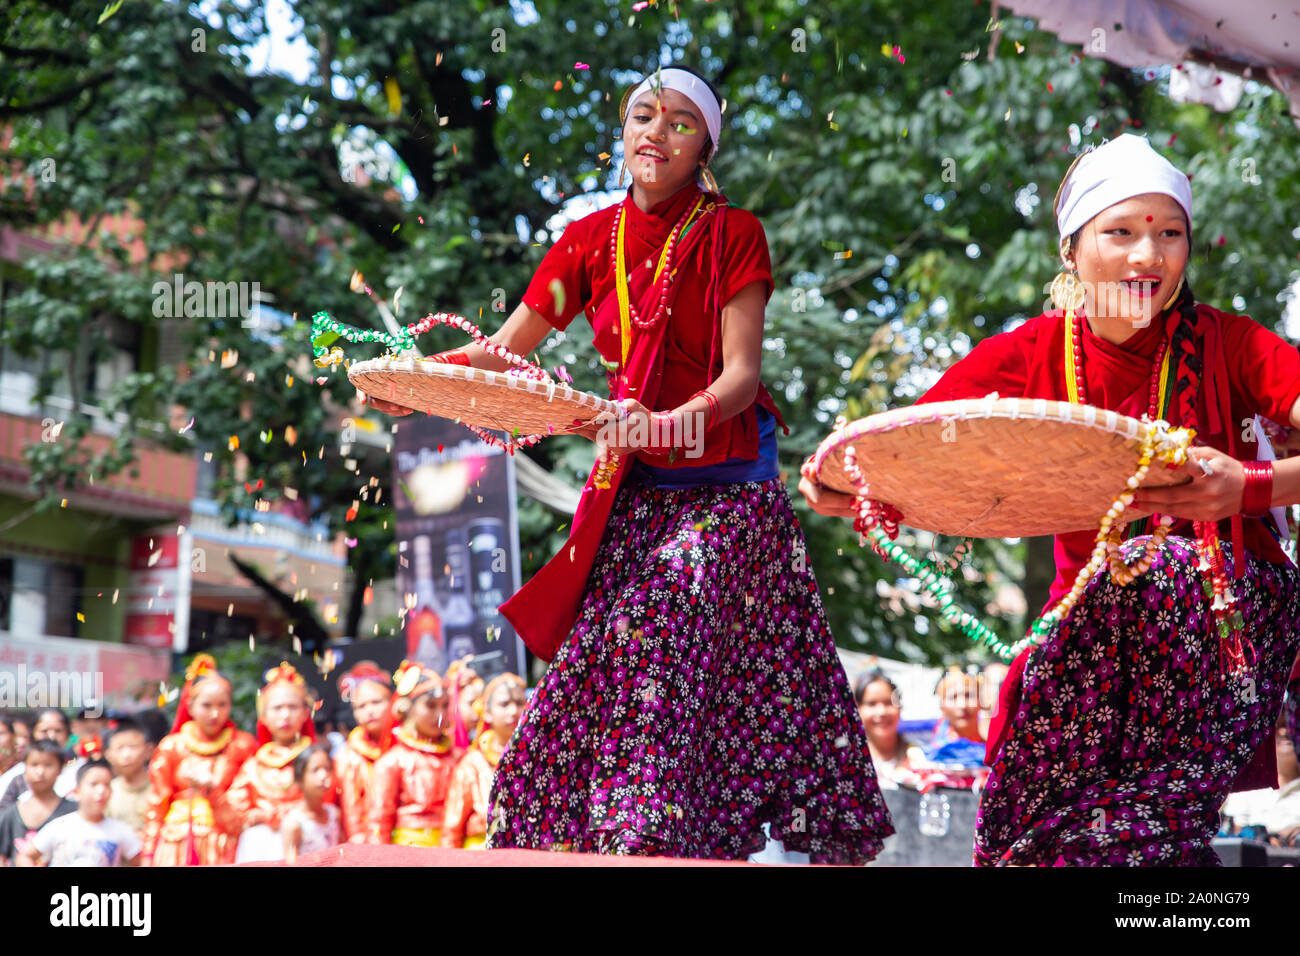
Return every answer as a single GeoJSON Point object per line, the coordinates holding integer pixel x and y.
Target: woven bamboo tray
{"type": "Point", "coordinates": [993, 467]}
{"type": "Point", "coordinates": [474, 396]}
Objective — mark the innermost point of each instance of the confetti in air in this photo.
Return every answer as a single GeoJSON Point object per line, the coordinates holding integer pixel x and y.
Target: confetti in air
{"type": "Point", "coordinates": [394, 94]}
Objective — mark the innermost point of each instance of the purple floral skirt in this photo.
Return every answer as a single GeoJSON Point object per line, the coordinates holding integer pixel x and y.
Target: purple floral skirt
{"type": "Point", "coordinates": [1129, 731]}
{"type": "Point", "coordinates": [698, 697]}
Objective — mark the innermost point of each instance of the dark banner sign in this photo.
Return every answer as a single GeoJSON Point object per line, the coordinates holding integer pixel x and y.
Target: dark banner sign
{"type": "Point", "coordinates": [458, 546]}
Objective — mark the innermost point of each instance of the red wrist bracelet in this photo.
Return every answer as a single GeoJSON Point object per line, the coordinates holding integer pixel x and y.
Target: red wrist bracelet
{"type": "Point", "coordinates": [714, 409]}
{"type": "Point", "coordinates": [450, 357]}
{"type": "Point", "coordinates": [1257, 496]}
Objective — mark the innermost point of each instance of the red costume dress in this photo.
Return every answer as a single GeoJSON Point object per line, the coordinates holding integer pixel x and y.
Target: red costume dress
{"type": "Point", "coordinates": [408, 790]}
{"type": "Point", "coordinates": [353, 770]}
{"type": "Point", "coordinates": [184, 825]}
{"type": "Point", "coordinates": [465, 823]}
{"type": "Point", "coordinates": [265, 782]}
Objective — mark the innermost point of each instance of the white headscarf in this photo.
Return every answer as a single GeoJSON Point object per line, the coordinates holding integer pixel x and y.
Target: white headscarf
{"type": "Point", "coordinates": [694, 89]}
{"type": "Point", "coordinates": [1117, 170]}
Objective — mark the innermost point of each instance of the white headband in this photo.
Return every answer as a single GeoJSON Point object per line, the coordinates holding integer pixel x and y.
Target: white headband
{"type": "Point", "coordinates": [694, 89]}
{"type": "Point", "coordinates": [1117, 170]}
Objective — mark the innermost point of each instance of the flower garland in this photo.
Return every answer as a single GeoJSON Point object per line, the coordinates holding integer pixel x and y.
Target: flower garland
{"type": "Point", "coordinates": [877, 523]}
{"type": "Point", "coordinates": [325, 329]}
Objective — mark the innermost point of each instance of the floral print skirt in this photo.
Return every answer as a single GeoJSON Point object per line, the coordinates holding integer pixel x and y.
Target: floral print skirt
{"type": "Point", "coordinates": [1130, 730]}
{"type": "Point", "coordinates": [698, 697]}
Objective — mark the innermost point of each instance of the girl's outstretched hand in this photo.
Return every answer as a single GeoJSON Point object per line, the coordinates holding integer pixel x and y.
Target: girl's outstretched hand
{"type": "Point", "coordinates": [826, 502]}
{"type": "Point", "coordinates": [623, 433]}
{"type": "Point", "coordinates": [1210, 496]}
{"type": "Point", "coordinates": [388, 408]}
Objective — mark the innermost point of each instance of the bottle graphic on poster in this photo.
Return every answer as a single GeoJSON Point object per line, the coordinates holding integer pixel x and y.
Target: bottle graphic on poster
{"type": "Point", "coordinates": [458, 614]}
{"type": "Point", "coordinates": [425, 627]}
{"type": "Point", "coordinates": [490, 574]}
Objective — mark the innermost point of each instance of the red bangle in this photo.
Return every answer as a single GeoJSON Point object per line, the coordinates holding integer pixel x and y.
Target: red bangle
{"type": "Point", "coordinates": [714, 409]}
{"type": "Point", "coordinates": [450, 357]}
{"type": "Point", "coordinates": [1257, 496]}
{"type": "Point", "coordinates": [663, 425]}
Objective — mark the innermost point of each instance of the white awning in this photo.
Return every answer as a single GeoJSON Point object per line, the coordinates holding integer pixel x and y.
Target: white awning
{"type": "Point", "coordinates": [1212, 45]}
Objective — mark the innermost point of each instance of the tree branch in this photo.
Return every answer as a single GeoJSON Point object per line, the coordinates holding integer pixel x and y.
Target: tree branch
{"type": "Point", "coordinates": [305, 625]}
{"type": "Point", "coordinates": [58, 99]}
{"type": "Point", "coordinates": [42, 53]}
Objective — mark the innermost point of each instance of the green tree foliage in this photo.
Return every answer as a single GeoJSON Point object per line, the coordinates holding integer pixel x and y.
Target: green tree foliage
{"type": "Point", "coordinates": [903, 175]}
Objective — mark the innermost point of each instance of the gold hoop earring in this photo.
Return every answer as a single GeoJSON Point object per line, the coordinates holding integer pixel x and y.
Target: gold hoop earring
{"type": "Point", "coordinates": [622, 172]}
{"type": "Point", "coordinates": [1177, 290]}
{"type": "Point", "coordinates": [709, 181]}
{"type": "Point", "coordinates": [1067, 292]}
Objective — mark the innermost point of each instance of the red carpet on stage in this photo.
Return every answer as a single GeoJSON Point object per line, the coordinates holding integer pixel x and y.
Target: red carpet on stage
{"type": "Point", "coordinates": [353, 854]}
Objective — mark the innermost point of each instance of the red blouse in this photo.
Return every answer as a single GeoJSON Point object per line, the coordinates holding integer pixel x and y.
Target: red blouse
{"type": "Point", "coordinates": [1262, 372]}
{"type": "Point", "coordinates": [577, 275]}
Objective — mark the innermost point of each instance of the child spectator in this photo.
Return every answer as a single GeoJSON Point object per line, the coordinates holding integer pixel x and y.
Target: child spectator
{"type": "Point", "coordinates": [89, 722]}
{"type": "Point", "coordinates": [87, 837]}
{"type": "Point", "coordinates": [312, 824]}
{"type": "Point", "coordinates": [125, 753]}
{"type": "Point", "coordinates": [408, 792]}
{"type": "Point", "coordinates": [39, 804]}
{"type": "Point", "coordinates": [21, 727]}
{"type": "Point", "coordinates": [49, 724]}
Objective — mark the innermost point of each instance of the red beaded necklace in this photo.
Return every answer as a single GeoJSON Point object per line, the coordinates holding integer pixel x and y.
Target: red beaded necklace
{"type": "Point", "coordinates": [665, 273]}
{"type": "Point", "coordinates": [1081, 388]}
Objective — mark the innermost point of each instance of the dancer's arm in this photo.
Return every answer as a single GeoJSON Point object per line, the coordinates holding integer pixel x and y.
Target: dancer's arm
{"type": "Point", "coordinates": [1214, 496]}
{"type": "Point", "coordinates": [521, 333]}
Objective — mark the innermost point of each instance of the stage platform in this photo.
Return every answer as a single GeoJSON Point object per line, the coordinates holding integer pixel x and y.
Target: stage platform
{"type": "Point", "coordinates": [362, 854]}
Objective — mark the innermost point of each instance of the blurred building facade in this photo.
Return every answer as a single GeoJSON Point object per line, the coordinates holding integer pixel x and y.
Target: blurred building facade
{"type": "Point", "coordinates": [138, 563]}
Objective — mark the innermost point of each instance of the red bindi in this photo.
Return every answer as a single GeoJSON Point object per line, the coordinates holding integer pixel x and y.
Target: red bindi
{"type": "Point", "coordinates": [1150, 218]}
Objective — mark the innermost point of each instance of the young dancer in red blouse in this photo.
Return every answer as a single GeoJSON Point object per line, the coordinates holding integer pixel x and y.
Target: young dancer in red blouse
{"type": "Point", "coordinates": [695, 702]}
{"type": "Point", "coordinates": [1119, 736]}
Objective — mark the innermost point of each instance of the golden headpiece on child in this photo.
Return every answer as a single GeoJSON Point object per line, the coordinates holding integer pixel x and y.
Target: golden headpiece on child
{"type": "Point", "coordinates": [201, 666]}
{"type": "Point", "coordinates": [283, 673]}
{"type": "Point", "coordinates": [414, 680]}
